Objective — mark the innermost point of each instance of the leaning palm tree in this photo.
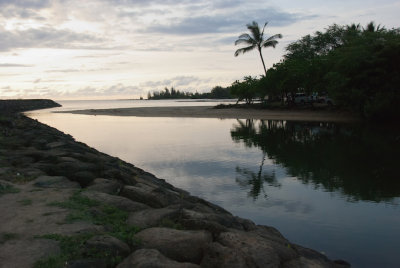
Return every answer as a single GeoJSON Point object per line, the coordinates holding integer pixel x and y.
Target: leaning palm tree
{"type": "Point", "coordinates": [256, 40]}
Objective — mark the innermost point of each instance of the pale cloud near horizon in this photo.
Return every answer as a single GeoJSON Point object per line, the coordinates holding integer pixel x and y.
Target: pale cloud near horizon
{"type": "Point", "coordinates": [117, 48]}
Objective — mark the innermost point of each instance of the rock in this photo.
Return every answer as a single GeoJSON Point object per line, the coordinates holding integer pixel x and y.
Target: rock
{"type": "Point", "coordinates": [54, 182]}
{"type": "Point", "coordinates": [312, 258]}
{"type": "Point", "coordinates": [107, 245]}
{"type": "Point", "coordinates": [67, 159]}
{"type": "Point", "coordinates": [84, 178]}
{"type": "Point", "coordinates": [154, 197]}
{"type": "Point", "coordinates": [219, 256]}
{"type": "Point", "coordinates": [116, 201]}
{"type": "Point", "coordinates": [152, 217]}
{"type": "Point", "coordinates": [86, 263]}
{"type": "Point", "coordinates": [55, 144]}
{"type": "Point", "coordinates": [182, 246]}
{"type": "Point", "coordinates": [105, 186]}
{"type": "Point", "coordinates": [214, 222]}
{"type": "Point", "coordinates": [146, 258]}
{"type": "Point", "coordinates": [258, 250]}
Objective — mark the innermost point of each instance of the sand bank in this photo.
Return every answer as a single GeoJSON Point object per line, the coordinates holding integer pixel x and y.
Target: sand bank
{"type": "Point", "coordinates": [226, 113]}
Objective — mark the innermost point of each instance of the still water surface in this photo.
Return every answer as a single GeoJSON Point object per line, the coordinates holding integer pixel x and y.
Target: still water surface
{"type": "Point", "coordinates": [334, 188]}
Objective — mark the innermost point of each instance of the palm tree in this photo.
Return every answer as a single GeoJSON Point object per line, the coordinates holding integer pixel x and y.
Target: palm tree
{"type": "Point", "coordinates": [256, 40]}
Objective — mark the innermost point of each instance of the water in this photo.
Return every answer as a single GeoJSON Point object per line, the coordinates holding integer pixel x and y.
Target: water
{"type": "Point", "coordinates": [330, 187]}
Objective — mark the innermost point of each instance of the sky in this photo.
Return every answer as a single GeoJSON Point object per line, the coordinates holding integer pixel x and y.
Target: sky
{"type": "Point", "coordinates": [122, 49]}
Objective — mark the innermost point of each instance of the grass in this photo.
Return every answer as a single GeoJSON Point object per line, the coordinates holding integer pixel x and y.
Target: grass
{"type": "Point", "coordinates": [4, 237]}
{"type": "Point", "coordinates": [25, 202]}
{"type": "Point", "coordinates": [114, 219]}
{"type": "Point", "coordinates": [73, 248]}
{"type": "Point", "coordinates": [70, 250]}
{"type": "Point", "coordinates": [8, 189]}
{"type": "Point", "coordinates": [82, 208]}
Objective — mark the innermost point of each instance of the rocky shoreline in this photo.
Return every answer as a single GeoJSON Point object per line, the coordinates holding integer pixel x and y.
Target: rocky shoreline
{"type": "Point", "coordinates": [64, 204]}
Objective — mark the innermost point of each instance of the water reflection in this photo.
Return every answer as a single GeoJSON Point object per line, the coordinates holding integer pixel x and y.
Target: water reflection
{"type": "Point", "coordinates": [360, 162]}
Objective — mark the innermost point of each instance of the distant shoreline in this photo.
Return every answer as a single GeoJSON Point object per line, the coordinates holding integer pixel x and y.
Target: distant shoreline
{"type": "Point", "coordinates": [225, 113]}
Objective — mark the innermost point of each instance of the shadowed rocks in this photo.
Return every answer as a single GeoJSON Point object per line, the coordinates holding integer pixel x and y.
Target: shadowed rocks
{"type": "Point", "coordinates": [39, 164]}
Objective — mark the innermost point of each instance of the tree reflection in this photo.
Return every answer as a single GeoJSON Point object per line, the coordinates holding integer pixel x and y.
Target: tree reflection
{"type": "Point", "coordinates": [245, 176]}
{"type": "Point", "coordinates": [358, 161]}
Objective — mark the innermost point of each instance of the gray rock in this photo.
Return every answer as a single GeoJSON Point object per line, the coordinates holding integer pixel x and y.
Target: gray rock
{"type": "Point", "coordinates": [219, 256]}
{"type": "Point", "coordinates": [215, 222]}
{"type": "Point", "coordinates": [55, 144]}
{"type": "Point", "coordinates": [312, 258]}
{"type": "Point", "coordinates": [109, 245]}
{"type": "Point", "coordinates": [54, 182]}
{"type": "Point", "coordinates": [84, 178]}
{"type": "Point", "coordinates": [86, 263]}
{"type": "Point", "coordinates": [116, 201]}
{"type": "Point", "coordinates": [146, 258]}
{"type": "Point", "coordinates": [151, 217]}
{"type": "Point", "coordinates": [182, 246]}
{"type": "Point", "coordinates": [260, 251]}
{"type": "Point", "coordinates": [105, 186]}
{"type": "Point", "coordinates": [154, 197]}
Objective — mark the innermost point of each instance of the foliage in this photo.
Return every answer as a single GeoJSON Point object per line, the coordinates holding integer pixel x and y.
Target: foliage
{"type": "Point", "coordinates": [93, 211]}
{"type": "Point", "coordinates": [4, 237]}
{"type": "Point", "coordinates": [358, 67]}
{"type": "Point", "coordinates": [83, 208]}
{"type": "Point", "coordinates": [217, 92]}
{"type": "Point", "coordinates": [25, 202]}
{"type": "Point", "coordinates": [256, 40]}
{"type": "Point", "coordinates": [245, 90]}
{"type": "Point", "coordinates": [7, 189]}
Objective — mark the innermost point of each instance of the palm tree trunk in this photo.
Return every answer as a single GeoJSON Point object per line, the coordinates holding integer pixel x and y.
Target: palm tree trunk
{"type": "Point", "coordinates": [262, 60]}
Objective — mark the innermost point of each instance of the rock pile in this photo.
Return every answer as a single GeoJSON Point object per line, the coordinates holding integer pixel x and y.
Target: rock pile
{"type": "Point", "coordinates": [172, 228]}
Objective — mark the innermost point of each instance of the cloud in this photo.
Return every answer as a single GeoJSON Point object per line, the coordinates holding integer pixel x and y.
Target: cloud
{"type": "Point", "coordinates": [25, 3]}
{"type": "Point", "coordinates": [7, 65]}
{"type": "Point", "coordinates": [113, 90]}
{"type": "Point", "coordinates": [226, 22]}
{"type": "Point", "coordinates": [64, 71]}
{"type": "Point", "coordinates": [47, 37]}
{"type": "Point", "coordinates": [177, 81]}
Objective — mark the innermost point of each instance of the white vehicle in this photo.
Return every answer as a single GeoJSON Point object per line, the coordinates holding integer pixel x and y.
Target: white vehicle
{"type": "Point", "coordinates": [325, 99]}
{"type": "Point", "coordinates": [302, 98]}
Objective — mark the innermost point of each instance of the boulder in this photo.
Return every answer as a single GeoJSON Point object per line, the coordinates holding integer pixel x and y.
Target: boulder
{"type": "Point", "coordinates": [152, 217]}
{"type": "Point", "coordinates": [55, 144]}
{"type": "Point", "coordinates": [116, 201]}
{"type": "Point", "coordinates": [86, 263]}
{"type": "Point", "coordinates": [258, 250]}
{"type": "Point", "coordinates": [182, 246]}
{"type": "Point", "coordinates": [105, 186]}
{"type": "Point", "coordinates": [154, 197]}
{"type": "Point", "coordinates": [217, 255]}
{"type": "Point", "coordinates": [84, 178]}
{"type": "Point", "coordinates": [144, 258]}
{"type": "Point", "coordinates": [224, 220]}
{"type": "Point", "coordinates": [107, 245]}
{"type": "Point", "coordinates": [54, 182]}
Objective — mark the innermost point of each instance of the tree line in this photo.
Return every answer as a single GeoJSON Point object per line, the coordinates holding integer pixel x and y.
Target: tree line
{"type": "Point", "coordinates": [217, 92]}
{"type": "Point", "coordinates": [357, 66]}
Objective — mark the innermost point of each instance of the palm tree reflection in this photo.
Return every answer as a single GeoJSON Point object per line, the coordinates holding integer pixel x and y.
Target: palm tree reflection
{"type": "Point", "coordinates": [357, 161]}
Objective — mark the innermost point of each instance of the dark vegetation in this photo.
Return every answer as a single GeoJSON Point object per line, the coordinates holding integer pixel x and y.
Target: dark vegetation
{"type": "Point", "coordinates": [13, 106]}
{"type": "Point", "coordinates": [357, 161]}
{"type": "Point", "coordinates": [216, 93]}
{"type": "Point", "coordinates": [356, 66]}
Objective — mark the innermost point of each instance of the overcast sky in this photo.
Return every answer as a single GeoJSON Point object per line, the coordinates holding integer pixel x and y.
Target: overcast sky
{"type": "Point", "coordinates": [90, 49]}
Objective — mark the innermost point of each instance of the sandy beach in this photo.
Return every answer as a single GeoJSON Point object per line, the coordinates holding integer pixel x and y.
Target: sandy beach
{"type": "Point", "coordinates": [226, 113]}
